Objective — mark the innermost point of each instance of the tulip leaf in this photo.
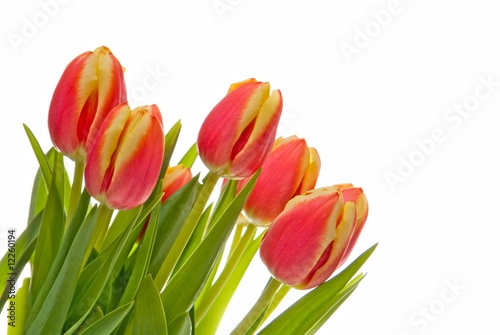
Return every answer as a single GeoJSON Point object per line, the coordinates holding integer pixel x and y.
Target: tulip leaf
{"type": "Point", "coordinates": [149, 317]}
{"type": "Point", "coordinates": [93, 317]}
{"type": "Point", "coordinates": [340, 298]}
{"type": "Point", "coordinates": [227, 195]}
{"type": "Point", "coordinates": [25, 246]}
{"type": "Point", "coordinates": [50, 319]}
{"type": "Point", "coordinates": [170, 141]}
{"type": "Point", "coordinates": [109, 322]}
{"type": "Point", "coordinates": [20, 304]}
{"type": "Point", "coordinates": [196, 237]}
{"type": "Point", "coordinates": [210, 322]}
{"type": "Point", "coordinates": [189, 157]}
{"type": "Point", "coordinates": [173, 214]}
{"type": "Point", "coordinates": [40, 156]}
{"type": "Point", "coordinates": [181, 325]}
{"type": "Point", "coordinates": [141, 259]}
{"type": "Point", "coordinates": [83, 304]}
{"type": "Point", "coordinates": [51, 229]}
{"type": "Point", "coordinates": [62, 254]}
{"type": "Point", "coordinates": [185, 285]}
{"type": "Point", "coordinates": [38, 196]}
{"type": "Point", "coordinates": [314, 308]}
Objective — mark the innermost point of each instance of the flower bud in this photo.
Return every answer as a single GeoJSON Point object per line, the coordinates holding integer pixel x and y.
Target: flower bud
{"type": "Point", "coordinates": [125, 159]}
{"type": "Point", "coordinates": [239, 132]}
{"type": "Point", "coordinates": [175, 177]}
{"type": "Point", "coordinates": [90, 86]}
{"type": "Point", "coordinates": [311, 238]}
{"type": "Point", "coordinates": [291, 168]}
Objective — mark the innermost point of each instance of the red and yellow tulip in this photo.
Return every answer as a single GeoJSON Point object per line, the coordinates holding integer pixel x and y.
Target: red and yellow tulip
{"type": "Point", "coordinates": [90, 86]}
{"type": "Point", "coordinates": [291, 168]}
{"type": "Point", "coordinates": [125, 159]}
{"type": "Point", "coordinates": [239, 132]}
{"type": "Point", "coordinates": [314, 234]}
{"type": "Point", "coordinates": [175, 177]}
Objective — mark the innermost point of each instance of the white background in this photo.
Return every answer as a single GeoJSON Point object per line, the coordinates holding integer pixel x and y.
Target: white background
{"type": "Point", "coordinates": [365, 112]}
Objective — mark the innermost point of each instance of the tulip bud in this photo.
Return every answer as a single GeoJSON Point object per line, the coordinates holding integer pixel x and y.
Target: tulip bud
{"type": "Point", "coordinates": [125, 159]}
{"type": "Point", "coordinates": [311, 238]}
{"type": "Point", "coordinates": [239, 132]}
{"type": "Point", "coordinates": [175, 177]}
{"type": "Point", "coordinates": [90, 86]}
{"type": "Point", "coordinates": [291, 168]}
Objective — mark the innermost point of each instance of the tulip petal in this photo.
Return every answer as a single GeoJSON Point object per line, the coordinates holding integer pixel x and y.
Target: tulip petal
{"type": "Point", "coordinates": [323, 270]}
{"type": "Point", "coordinates": [298, 237]}
{"type": "Point", "coordinates": [279, 180]}
{"type": "Point", "coordinates": [139, 156]}
{"type": "Point", "coordinates": [261, 140]}
{"type": "Point", "coordinates": [224, 125]}
{"type": "Point", "coordinates": [97, 171]}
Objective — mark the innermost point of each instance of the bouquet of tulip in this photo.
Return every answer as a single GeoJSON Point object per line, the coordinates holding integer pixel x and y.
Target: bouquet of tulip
{"type": "Point", "coordinates": [131, 243]}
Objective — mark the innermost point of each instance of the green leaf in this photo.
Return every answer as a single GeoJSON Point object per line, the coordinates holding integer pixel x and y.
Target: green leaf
{"type": "Point", "coordinates": [185, 285]}
{"type": "Point", "coordinates": [210, 322]}
{"type": "Point", "coordinates": [196, 237]}
{"type": "Point", "coordinates": [83, 304]}
{"type": "Point", "coordinates": [181, 325]}
{"type": "Point", "coordinates": [109, 322]}
{"type": "Point", "coordinates": [40, 156]}
{"type": "Point", "coordinates": [94, 316]}
{"type": "Point", "coordinates": [39, 195]}
{"type": "Point", "coordinates": [50, 319]}
{"type": "Point", "coordinates": [25, 246]}
{"type": "Point", "coordinates": [309, 313]}
{"type": "Point", "coordinates": [189, 157]}
{"type": "Point", "coordinates": [339, 298]}
{"type": "Point", "coordinates": [143, 256]}
{"type": "Point", "coordinates": [21, 305]}
{"type": "Point", "coordinates": [226, 197]}
{"type": "Point", "coordinates": [51, 229]}
{"type": "Point", "coordinates": [62, 254]}
{"type": "Point", "coordinates": [170, 142]}
{"type": "Point", "coordinates": [173, 214]}
{"type": "Point", "coordinates": [149, 317]}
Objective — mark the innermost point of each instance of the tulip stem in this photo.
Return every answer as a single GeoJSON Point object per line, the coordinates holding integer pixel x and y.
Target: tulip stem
{"type": "Point", "coordinates": [259, 310]}
{"type": "Point", "coordinates": [226, 273]}
{"type": "Point", "coordinates": [187, 230]}
{"type": "Point", "coordinates": [76, 190]}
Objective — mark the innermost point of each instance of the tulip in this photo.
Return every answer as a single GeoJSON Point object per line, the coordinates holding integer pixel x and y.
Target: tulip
{"type": "Point", "coordinates": [239, 132]}
{"type": "Point", "coordinates": [125, 159]}
{"type": "Point", "coordinates": [90, 86]}
{"type": "Point", "coordinates": [291, 168]}
{"type": "Point", "coordinates": [175, 177]}
{"type": "Point", "coordinates": [313, 235]}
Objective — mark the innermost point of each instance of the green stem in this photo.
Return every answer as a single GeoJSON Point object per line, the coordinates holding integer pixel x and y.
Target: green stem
{"type": "Point", "coordinates": [226, 273]}
{"type": "Point", "coordinates": [258, 309]}
{"type": "Point", "coordinates": [76, 190]}
{"type": "Point", "coordinates": [236, 237]}
{"type": "Point", "coordinates": [282, 292]}
{"type": "Point", "coordinates": [103, 217]}
{"type": "Point", "coordinates": [182, 239]}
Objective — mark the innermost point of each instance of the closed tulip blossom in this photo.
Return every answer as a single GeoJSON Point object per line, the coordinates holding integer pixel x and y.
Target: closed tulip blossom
{"type": "Point", "coordinates": [175, 177]}
{"type": "Point", "coordinates": [239, 132]}
{"type": "Point", "coordinates": [125, 159]}
{"type": "Point", "coordinates": [291, 168]}
{"type": "Point", "coordinates": [314, 234]}
{"type": "Point", "coordinates": [90, 86]}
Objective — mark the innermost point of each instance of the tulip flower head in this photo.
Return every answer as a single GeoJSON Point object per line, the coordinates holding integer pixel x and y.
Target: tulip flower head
{"type": "Point", "coordinates": [125, 159]}
{"type": "Point", "coordinates": [312, 237]}
{"type": "Point", "coordinates": [291, 168]}
{"type": "Point", "coordinates": [239, 132]}
{"type": "Point", "coordinates": [90, 86]}
{"type": "Point", "coordinates": [175, 177]}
